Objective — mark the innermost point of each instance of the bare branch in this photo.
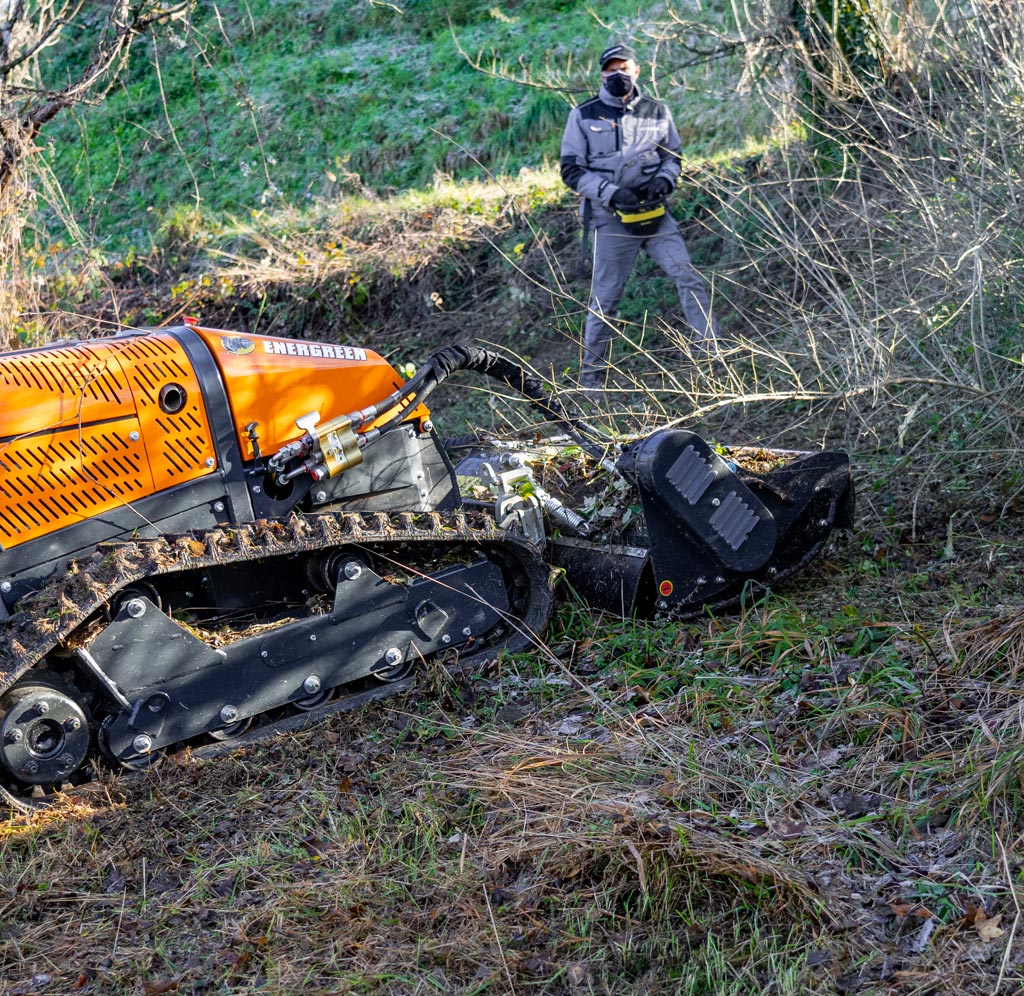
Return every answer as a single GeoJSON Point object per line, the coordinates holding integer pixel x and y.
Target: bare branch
{"type": "Point", "coordinates": [129, 22]}
{"type": "Point", "coordinates": [47, 32]}
{"type": "Point", "coordinates": [28, 101]}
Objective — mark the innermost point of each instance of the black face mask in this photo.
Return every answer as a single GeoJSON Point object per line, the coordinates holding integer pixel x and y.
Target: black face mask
{"type": "Point", "coordinates": [619, 84]}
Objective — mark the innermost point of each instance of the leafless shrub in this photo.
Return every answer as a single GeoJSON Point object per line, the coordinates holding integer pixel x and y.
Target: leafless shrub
{"type": "Point", "coordinates": [32, 93]}
{"type": "Point", "coordinates": [869, 263]}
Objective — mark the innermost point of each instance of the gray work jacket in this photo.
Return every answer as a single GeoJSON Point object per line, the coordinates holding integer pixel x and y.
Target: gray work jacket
{"type": "Point", "coordinates": [610, 143]}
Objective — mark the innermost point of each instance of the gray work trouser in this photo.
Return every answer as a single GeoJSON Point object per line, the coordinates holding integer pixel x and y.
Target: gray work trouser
{"type": "Point", "coordinates": [614, 254]}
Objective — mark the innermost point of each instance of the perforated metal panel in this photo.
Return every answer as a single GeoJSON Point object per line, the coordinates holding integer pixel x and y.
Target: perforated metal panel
{"type": "Point", "coordinates": [92, 426]}
{"type": "Point", "coordinates": [179, 443]}
{"type": "Point", "coordinates": [67, 477]}
{"type": "Point", "coordinates": [69, 372]}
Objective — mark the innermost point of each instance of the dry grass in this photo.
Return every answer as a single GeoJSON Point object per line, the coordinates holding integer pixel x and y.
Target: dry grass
{"type": "Point", "coordinates": [763, 804]}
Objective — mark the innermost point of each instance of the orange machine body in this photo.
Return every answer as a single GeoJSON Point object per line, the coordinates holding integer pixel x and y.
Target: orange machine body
{"type": "Point", "coordinates": [273, 381]}
{"type": "Point", "coordinates": [93, 426]}
{"type": "Point", "coordinates": [82, 430]}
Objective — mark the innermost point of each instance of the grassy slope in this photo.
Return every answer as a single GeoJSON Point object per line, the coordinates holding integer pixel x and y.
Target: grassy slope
{"type": "Point", "coordinates": [266, 104]}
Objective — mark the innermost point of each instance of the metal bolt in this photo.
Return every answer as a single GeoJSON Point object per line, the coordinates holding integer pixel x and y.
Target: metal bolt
{"type": "Point", "coordinates": [256, 489]}
{"type": "Point", "coordinates": [428, 426]}
{"type": "Point", "coordinates": [228, 714]}
{"type": "Point", "coordinates": [5, 586]}
{"type": "Point", "coordinates": [14, 736]}
{"type": "Point", "coordinates": [133, 436]}
{"type": "Point", "coordinates": [719, 579]}
{"type": "Point", "coordinates": [702, 580]}
{"type": "Point", "coordinates": [67, 761]}
{"type": "Point", "coordinates": [136, 608]}
{"type": "Point", "coordinates": [31, 768]}
{"type": "Point", "coordinates": [210, 461]}
{"type": "Point", "coordinates": [42, 708]}
{"type": "Point", "coordinates": [716, 502]}
{"type": "Point", "coordinates": [321, 496]}
{"type": "Point", "coordinates": [424, 493]}
{"type": "Point", "coordinates": [446, 638]}
{"type": "Point", "coordinates": [392, 656]}
{"type": "Point", "coordinates": [352, 570]}
{"type": "Point", "coordinates": [72, 723]}
{"type": "Point", "coordinates": [467, 631]}
{"type": "Point", "coordinates": [218, 506]}
{"type": "Point", "coordinates": [263, 653]}
{"type": "Point", "coordinates": [311, 685]}
{"type": "Point", "coordinates": [312, 637]}
{"type": "Point", "coordinates": [823, 523]}
{"type": "Point", "coordinates": [772, 571]}
{"type": "Point", "coordinates": [662, 604]}
{"type": "Point", "coordinates": [142, 744]}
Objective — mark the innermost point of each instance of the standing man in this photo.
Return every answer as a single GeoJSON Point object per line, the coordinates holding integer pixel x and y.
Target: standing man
{"type": "Point", "coordinates": [621, 153]}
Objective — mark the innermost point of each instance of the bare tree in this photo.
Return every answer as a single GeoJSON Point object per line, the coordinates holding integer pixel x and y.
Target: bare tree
{"type": "Point", "coordinates": [35, 87]}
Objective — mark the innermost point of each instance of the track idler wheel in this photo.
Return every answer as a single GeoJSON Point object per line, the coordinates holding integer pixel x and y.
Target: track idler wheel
{"type": "Point", "coordinates": [45, 734]}
{"type": "Point", "coordinates": [232, 730]}
{"type": "Point", "coordinates": [316, 695]}
{"type": "Point", "coordinates": [335, 566]}
{"type": "Point", "coordinates": [396, 667]}
{"type": "Point", "coordinates": [145, 757]}
{"type": "Point", "coordinates": [138, 590]}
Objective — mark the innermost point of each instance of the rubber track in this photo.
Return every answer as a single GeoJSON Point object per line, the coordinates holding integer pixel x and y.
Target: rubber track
{"type": "Point", "coordinates": [50, 616]}
{"type": "Point", "coordinates": [54, 613]}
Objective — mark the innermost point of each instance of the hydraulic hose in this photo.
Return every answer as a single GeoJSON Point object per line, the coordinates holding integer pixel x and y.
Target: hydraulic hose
{"type": "Point", "coordinates": [515, 376]}
{"type": "Point", "coordinates": [441, 365]}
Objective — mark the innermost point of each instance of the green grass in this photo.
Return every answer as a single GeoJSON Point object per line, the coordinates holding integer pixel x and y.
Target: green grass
{"type": "Point", "coordinates": [264, 105]}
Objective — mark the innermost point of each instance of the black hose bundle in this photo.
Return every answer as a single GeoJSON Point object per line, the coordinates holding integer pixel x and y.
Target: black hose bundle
{"type": "Point", "coordinates": [441, 365]}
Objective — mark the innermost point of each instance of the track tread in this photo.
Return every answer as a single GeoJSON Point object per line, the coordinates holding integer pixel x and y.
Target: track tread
{"type": "Point", "coordinates": [50, 616]}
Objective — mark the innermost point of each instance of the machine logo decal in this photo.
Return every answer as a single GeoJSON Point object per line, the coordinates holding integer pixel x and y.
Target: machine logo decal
{"type": "Point", "coordinates": [323, 350]}
{"type": "Point", "coordinates": [237, 344]}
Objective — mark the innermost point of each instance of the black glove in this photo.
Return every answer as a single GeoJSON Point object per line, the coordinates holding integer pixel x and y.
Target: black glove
{"type": "Point", "coordinates": [625, 198]}
{"type": "Point", "coordinates": [660, 186]}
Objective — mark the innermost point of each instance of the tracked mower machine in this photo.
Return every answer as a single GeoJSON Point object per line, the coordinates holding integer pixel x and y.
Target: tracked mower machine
{"type": "Point", "coordinates": [203, 534]}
